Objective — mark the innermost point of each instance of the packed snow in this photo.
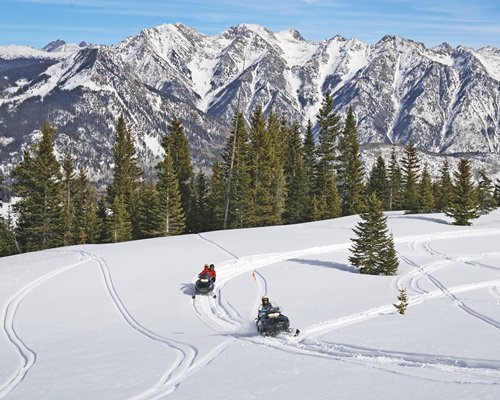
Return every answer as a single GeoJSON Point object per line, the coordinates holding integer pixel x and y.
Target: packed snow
{"type": "Point", "coordinates": [117, 321]}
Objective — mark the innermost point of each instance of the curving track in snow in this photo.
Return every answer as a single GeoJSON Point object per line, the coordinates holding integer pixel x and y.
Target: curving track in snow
{"type": "Point", "coordinates": [479, 369]}
{"type": "Point", "coordinates": [26, 354]}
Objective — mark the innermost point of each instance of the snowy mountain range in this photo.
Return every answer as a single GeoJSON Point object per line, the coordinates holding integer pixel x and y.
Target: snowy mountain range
{"type": "Point", "coordinates": [117, 321]}
{"type": "Point", "coordinates": [446, 100]}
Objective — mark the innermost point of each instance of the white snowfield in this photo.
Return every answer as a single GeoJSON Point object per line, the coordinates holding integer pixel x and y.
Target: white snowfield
{"type": "Point", "coordinates": [118, 321]}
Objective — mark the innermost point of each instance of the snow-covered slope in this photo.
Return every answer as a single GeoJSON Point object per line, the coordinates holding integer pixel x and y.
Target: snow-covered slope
{"type": "Point", "coordinates": [118, 321]}
{"type": "Point", "coordinates": [446, 100]}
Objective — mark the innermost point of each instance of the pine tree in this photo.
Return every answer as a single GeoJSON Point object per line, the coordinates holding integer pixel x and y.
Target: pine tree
{"type": "Point", "coordinates": [119, 228]}
{"type": "Point", "coordinates": [8, 244]}
{"type": "Point", "coordinates": [266, 170]}
{"type": "Point", "coordinates": [102, 217]}
{"type": "Point", "coordinates": [173, 220]}
{"type": "Point", "coordinates": [201, 204]}
{"type": "Point", "coordinates": [309, 151]}
{"type": "Point", "coordinates": [126, 174]}
{"type": "Point", "coordinates": [7, 236]}
{"type": "Point", "coordinates": [297, 193]}
{"type": "Point", "coordinates": [327, 199]}
{"type": "Point", "coordinates": [396, 194]}
{"type": "Point", "coordinates": [38, 182]}
{"type": "Point", "coordinates": [378, 183]}
{"type": "Point", "coordinates": [426, 195]}
{"type": "Point", "coordinates": [86, 221]}
{"type": "Point", "coordinates": [68, 182]}
{"type": "Point", "coordinates": [444, 187]}
{"type": "Point", "coordinates": [217, 196]}
{"type": "Point", "coordinates": [373, 249]}
{"type": "Point", "coordinates": [410, 166]}
{"type": "Point", "coordinates": [148, 211]}
{"type": "Point", "coordinates": [350, 169]}
{"type": "Point", "coordinates": [177, 143]}
{"type": "Point", "coordinates": [485, 192]}
{"type": "Point", "coordinates": [235, 173]}
{"type": "Point", "coordinates": [497, 193]}
{"type": "Point", "coordinates": [403, 301]}
{"type": "Point", "coordinates": [463, 205]}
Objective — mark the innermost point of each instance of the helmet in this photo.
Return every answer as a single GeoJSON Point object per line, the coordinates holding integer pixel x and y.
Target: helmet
{"type": "Point", "coordinates": [265, 300]}
{"type": "Point", "coordinates": [205, 266]}
{"type": "Point", "coordinates": [212, 266]}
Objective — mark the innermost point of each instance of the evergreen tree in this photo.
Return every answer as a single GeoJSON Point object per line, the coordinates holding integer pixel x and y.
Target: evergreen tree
{"type": "Point", "coordinates": [444, 186]}
{"type": "Point", "coordinates": [297, 193]}
{"type": "Point", "coordinates": [8, 244]}
{"type": "Point", "coordinates": [350, 169]}
{"type": "Point", "coordinates": [102, 217]}
{"type": "Point", "coordinates": [148, 211]}
{"type": "Point", "coordinates": [86, 221]}
{"type": "Point", "coordinates": [173, 221]}
{"type": "Point", "coordinates": [126, 174]}
{"type": "Point", "coordinates": [309, 151]}
{"type": "Point", "coordinates": [119, 228]}
{"type": "Point", "coordinates": [485, 192]}
{"type": "Point", "coordinates": [396, 193]}
{"type": "Point", "coordinates": [217, 196]}
{"type": "Point", "coordinates": [177, 144]}
{"type": "Point", "coordinates": [38, 182]}
{"type": "Point", "coordinates": [403, 301]}
{"type": "Point", "coordinates": [410, 166]}
{"type": "Point", "coordinates": [426, 195]}
{"type": "Point", "coordinates": [463, 205]}
{"type": "Point", "coordinates": [378, 183]}
{"type": "Point", "coordinates": [235, 173]}
{"type": "Point", "coordinates": [268, 183]}
{"type": "Point", "coordinates": [201, 204]}
{"type": "Point", "coordinates": [68, 182]}
{"type": "Point", "coordinates": [497, 193]}
{"type": "Point", "coordinates": [327, 199]}
{"type": "Point", "coordinates": [373, 249]}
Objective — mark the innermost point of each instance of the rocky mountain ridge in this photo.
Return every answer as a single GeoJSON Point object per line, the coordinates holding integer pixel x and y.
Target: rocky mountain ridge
{"type": "Point", "coordinates": [446, 100]}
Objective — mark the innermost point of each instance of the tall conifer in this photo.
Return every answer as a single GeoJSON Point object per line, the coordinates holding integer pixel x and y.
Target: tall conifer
{"type": "Point", "coordinates": [176, 140]}
{"type": "Point", "coordinates": [373, 250]}
{"type": "Point", "coordinates": [378, 182]}
{"type": "Point", "coordinates": [485, 193]}
{"type": "Point", "coordinates": [463, 206]}
{"type": "Point", "coordinates": [173, 220]}
{"type": "Point", "coordinates": [350, 169]}
{"type": "Point", "coordinates": [297, 193]}
{"type": "Point", "coordinates": [38, 182]}
{"type": "Point", "coordinates": [444, 187]}
{"type": "Point", "coordinates": [410, 166]}
{"type": "Point", "coordinates": [396, 193]}
{"type": "Point", "coordinates": [425, 194]}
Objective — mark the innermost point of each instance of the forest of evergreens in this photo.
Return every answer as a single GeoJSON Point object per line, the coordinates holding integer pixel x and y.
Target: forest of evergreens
{"type": "Point", "coordinates": [270, 173]}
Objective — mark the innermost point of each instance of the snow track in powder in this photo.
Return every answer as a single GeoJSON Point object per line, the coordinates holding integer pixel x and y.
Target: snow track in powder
{"type": "Point", "coordinates": [27, 354]}
{"type": "Point", "coordinates": [481, 371]}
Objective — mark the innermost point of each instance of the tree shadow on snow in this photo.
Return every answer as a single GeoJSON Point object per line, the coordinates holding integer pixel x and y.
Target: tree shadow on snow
{"type": "Point", "coordinates": [187, 288]}
{"type": "Point", "coordinates": [326, 264]}
{"type": "Point", "coordinates": [422, 218]}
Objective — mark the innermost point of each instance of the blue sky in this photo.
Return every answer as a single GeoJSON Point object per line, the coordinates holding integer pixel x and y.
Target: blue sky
{"type": "Point", "coordinates": [474, 23]}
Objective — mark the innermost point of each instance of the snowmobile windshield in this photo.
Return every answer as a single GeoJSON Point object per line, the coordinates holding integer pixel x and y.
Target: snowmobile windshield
{"type": "Point", "coordinates": [204, 277]}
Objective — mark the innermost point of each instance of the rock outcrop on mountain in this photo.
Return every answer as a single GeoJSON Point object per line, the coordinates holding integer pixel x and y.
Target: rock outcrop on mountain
{"type": "Point", "coordinates": [446, 100]}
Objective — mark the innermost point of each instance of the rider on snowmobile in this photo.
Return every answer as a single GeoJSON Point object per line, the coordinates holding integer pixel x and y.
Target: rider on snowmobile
{"type": "Point", "coordinates": [210, 271]}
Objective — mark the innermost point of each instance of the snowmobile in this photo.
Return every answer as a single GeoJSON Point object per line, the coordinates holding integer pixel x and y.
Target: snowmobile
{"type": "Point", "coordinates": [204, 285]}
{"type": "Point", "coordinates": [271, 322]}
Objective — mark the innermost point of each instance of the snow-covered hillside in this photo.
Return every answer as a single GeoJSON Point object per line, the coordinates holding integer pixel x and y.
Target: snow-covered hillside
{"type": "Point", "coordinates": [118, 321]}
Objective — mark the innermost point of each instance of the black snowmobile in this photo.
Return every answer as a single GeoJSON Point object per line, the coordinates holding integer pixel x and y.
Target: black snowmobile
{"type": "Point", "coordinates": [270, 322]}
{"type": "Point", "coordinates": [204, 285]}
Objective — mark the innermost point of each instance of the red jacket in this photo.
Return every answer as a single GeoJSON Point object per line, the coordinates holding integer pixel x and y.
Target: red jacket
{"type": "Point", "coordinates": [208, 271]}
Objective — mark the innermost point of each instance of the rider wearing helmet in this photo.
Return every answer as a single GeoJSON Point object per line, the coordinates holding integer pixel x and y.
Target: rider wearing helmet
{"type": "Point", "coordinates": [209, 270]}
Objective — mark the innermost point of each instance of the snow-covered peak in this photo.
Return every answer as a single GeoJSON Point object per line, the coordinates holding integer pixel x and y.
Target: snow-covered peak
{"type": "Point", "coordinates": [13, 51]}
